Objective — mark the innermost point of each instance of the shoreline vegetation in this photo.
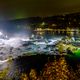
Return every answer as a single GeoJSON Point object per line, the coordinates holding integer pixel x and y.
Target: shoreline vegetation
{"type": "Point", "coordinates": [42, 67]}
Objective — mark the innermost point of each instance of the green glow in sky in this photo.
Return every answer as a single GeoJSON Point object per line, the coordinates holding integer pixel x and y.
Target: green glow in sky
{"type": "Point", "coordinates": [29, 8]}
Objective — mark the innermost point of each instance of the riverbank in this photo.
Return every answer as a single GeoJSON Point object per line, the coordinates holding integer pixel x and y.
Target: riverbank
{"type": "Point", "coordinates": [40, 66]}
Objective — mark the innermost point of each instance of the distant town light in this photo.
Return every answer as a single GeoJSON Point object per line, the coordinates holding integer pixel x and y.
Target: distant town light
{"type": "Point", "coordinates": [75, 20]}
{"type": "Point", "coordinates": [54, 25]}
{"type": "Point", "coordinates": [69, 23]}
{"type": "Point", "coordinates": [43, 23]}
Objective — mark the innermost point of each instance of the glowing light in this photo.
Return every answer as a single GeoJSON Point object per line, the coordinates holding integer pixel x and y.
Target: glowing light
{"type": "Point", "coordinates": [15, 42]}
{"type": "Point", "coordinates": [1, 33]}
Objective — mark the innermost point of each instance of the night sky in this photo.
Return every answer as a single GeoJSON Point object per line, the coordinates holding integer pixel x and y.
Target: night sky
{"type": "Point", "coordinates": [16, 9]}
